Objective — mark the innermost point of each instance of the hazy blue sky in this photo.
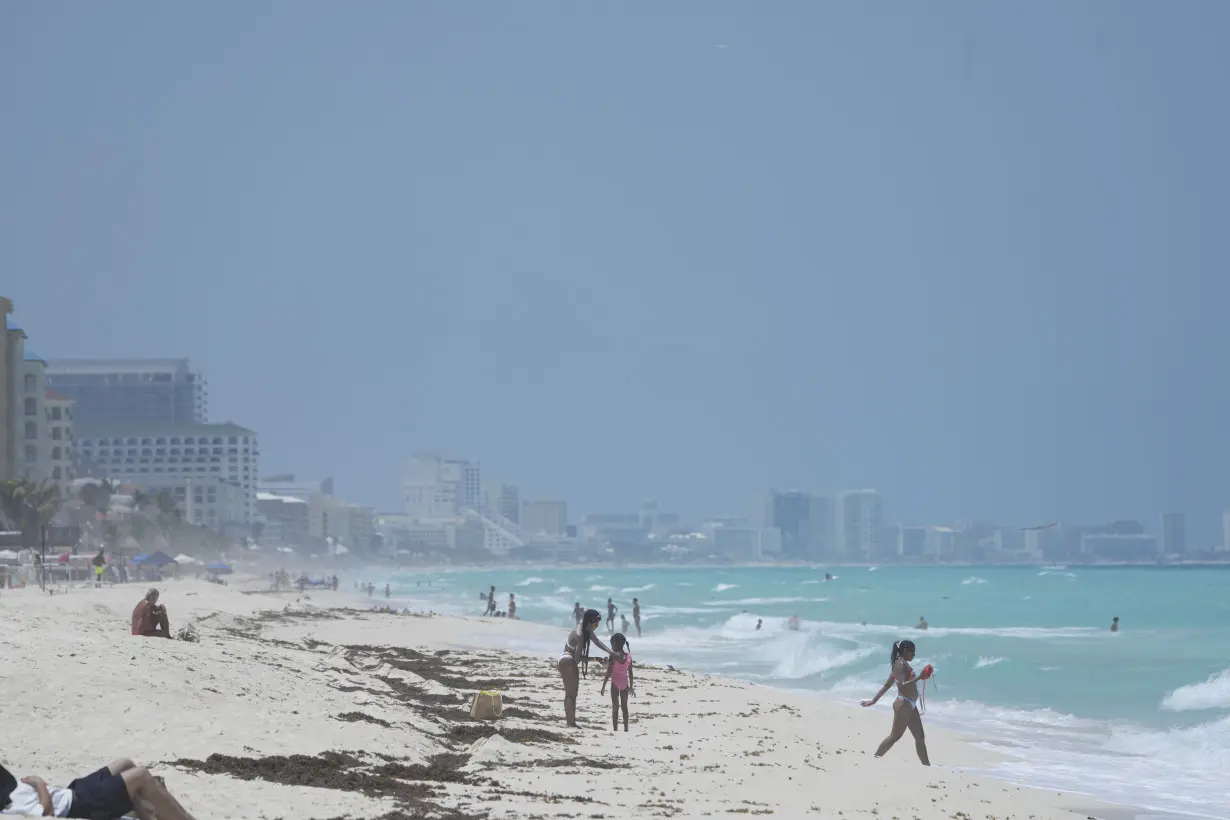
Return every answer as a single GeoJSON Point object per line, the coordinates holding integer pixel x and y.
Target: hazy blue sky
{"type": "Point", "coordinates": [971, 254]}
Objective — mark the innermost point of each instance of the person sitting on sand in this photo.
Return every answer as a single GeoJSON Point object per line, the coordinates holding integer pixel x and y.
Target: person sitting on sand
{"type": "Point", "coordinates": [111, 792]}
{"type": "Point", "coordinates": [905, 707]}
{"type": "Point", "coordinates": [619, 673]}
{"type": "Point", "coordinates": [575, 659]}
{"type": "Point", "coordinates": [149, 618]}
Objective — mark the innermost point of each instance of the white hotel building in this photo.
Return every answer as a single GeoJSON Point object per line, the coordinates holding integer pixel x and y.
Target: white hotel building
{"type": "Point", "coordinates": [212, 469]}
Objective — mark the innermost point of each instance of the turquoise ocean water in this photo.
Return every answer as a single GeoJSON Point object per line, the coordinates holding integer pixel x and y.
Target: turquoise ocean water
{"type": "Point", "coordinates": [1024, 657]}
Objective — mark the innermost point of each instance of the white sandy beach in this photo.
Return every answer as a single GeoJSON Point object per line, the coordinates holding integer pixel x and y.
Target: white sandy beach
{"type": "Point", "coordinates": [272, 696]}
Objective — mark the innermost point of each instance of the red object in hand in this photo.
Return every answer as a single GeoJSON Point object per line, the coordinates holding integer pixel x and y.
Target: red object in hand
{"type": "Point", "coordinates": [928, 671]}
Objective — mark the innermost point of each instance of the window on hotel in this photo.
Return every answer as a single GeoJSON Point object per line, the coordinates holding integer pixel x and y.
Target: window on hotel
{"type": "Point", "coordinates": [55, 473]}
{"type": "Point", "coordinates": [55, 454]}
{"type": "Point", "coordinates": [31, 383]}
{"type": "Point", "coordinates": [55, 433]}
{"type": "Point", "coordinates": [56, 415]}
{"type": "Point", "coordinates": [31, 430]}
{"type": "Point", "coordinates": [31, 407]}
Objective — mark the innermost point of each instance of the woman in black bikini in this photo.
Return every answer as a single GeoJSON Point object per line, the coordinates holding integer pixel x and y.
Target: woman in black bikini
{"type": "Point", "coordinates": [576, 657]}
{"type": "Point", "coordinates": [905, 707]}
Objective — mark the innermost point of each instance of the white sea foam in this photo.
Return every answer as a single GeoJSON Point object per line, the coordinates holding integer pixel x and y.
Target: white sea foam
{"type": "Point", "coordinates": [1213, 693]}
{"type": "Point", "coordinates": [974, 579]}
{"type": "Point", "coordinates": [531, 580]}
{"type": "Point", "coordinates": [724, 587]}
{"type": "Point", "coordinates": [764, 601]}
{"type": "Point", "coordinates": [985, 662]}
{"type": "Point", "coordinates": [562, 590]}
{"type": "Point", "coordinates": [812, 581]}
{"type": "Point", "coordinates": [630, 590]}
{"type": "Point", "coordinates": [600, 588]}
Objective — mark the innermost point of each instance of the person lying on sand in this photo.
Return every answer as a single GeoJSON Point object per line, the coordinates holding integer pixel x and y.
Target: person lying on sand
{"type": "Point", "coordinates": [110, 793]}
{"type": "Point", "coordinates": [149, 618]}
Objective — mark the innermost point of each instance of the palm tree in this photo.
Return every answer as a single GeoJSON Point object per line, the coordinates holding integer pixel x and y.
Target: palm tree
{"type": "Point", "coordinates": [29, 505]}
{"type": "Point", "coordinates": [43, 502]}
{"type": "Point", "coordinates": [13, 505]}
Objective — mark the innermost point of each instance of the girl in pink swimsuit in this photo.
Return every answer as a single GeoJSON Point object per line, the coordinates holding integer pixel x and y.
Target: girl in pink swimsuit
{"type": "Point", "coordinates": [619, 673]}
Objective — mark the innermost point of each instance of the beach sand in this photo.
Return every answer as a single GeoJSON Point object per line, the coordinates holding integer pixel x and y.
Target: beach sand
{"type": "Point", "coordinates": [286, 708]}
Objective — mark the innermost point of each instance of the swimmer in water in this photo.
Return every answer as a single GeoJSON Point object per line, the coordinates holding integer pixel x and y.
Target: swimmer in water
{"type": "Point", "coordinates": [905, 707]}
{"type": "Point", "coordinates": [1114, 625]}
{"type": "Point", "coordinates": [759, 623]}
{"type": "Point", "coordinates": [922, 622]}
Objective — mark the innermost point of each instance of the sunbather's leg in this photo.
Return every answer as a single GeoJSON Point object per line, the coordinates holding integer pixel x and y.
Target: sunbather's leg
{"type": "Point", "coordinates": [143, 787]}
{"type": "Point", "coordinates": [120, 766]}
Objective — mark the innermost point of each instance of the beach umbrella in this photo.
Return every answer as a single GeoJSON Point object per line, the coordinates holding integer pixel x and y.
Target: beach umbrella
{"type": "Point", "coordinates": [159, 559]}
{"type": "Point", "coordinates": [140, 559]}
{"type": "Point", "coordinates": [8, 555]}
{"type": "Point", "coordinates": [219, 568]}
{"type": "Point", "coordinates": [185, 559]}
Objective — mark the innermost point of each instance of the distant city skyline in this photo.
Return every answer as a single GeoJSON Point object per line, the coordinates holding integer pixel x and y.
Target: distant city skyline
{"type": "Point", "coordinates": [613, 262]}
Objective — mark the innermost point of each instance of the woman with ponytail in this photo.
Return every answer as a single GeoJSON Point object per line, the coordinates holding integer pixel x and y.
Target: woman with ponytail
{"type": "Point", "coordinates": [905, 707]}
{"type": "Point", "coordinates": [575, 659]}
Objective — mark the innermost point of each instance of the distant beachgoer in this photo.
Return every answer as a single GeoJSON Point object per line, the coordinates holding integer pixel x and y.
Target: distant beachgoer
{"type": "Point", "coordinates": [113, 791]}
{"type": "Point", "coordinates": [619, 673]}
{"type": "Point", "coordinates": [611, 609]}
{"type": "Point", "coordinates": [388, 593]}
{"type": "Point", "coordinates": [1114, 625]}
{"type": "Point", "coordinates": [793, 623]}
{"type": "Point", "coordinates": [759, 624]}
{"type": "Point", "coordinates": [575, 660]}
{"type": "Point", "coordinates": [922, 622]}
{"type": "Point", "coordinates": [100, 566]}
{"type": "Point", "coordinates": [335, 583]}
{"type": "Point", "coordinates": [623, 623]}
{"type": "Point", "coordinates": [905, 707]}
{"type": "Point", "coordinates": [577, 612]}
{"type": "Point", "coordinates": [490, 601]}
{"type": "Point", "coordinates": [512, 605]}
{"type": "Point", "coordinates": [636, 616]}
{"type": "Point", "coordinates": [149, 618]}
